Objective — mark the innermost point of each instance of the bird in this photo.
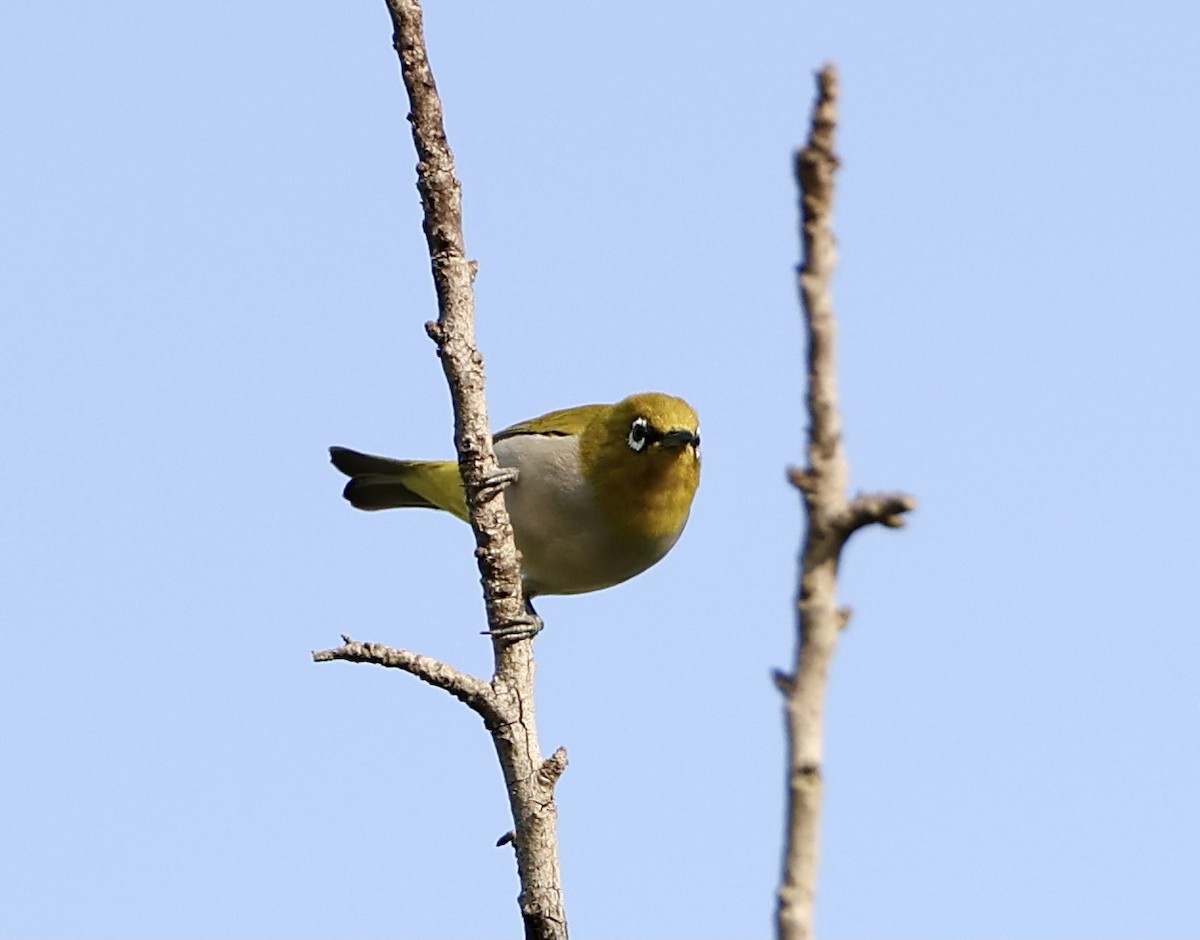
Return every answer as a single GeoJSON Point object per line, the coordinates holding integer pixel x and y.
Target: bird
{"type": "Point", "coordinates": [596, 494]}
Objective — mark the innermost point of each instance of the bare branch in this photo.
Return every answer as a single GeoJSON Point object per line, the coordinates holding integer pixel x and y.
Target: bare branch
{"type": "Point", "coordinates": [886, 509]}
{"type": "Point", "coordinates": [831, 517]}
{"type": "Point", "coordinates": [473, 692]}
{"type": "Point", "coordinates": [552, 768]}
{"type": "Point", "coordinates": [507, 703]}
{"type": "Point", "coordinates": [454, 332]}
{"type": "Point", "coordinates": [816, 165]}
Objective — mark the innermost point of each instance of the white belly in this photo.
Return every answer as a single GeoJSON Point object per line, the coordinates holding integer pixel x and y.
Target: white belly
{"type": "Point", "coordinates": [567, 544]}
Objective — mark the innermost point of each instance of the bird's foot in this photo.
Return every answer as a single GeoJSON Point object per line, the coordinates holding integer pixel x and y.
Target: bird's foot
{"type": "Point", "coordinates": [524, 627]}
{"type": "Point", "coordinates": [498, 480]}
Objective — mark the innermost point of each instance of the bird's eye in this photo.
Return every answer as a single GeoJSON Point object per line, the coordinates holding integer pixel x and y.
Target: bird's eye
{"type": "Point", "coordinates": [639, 432]}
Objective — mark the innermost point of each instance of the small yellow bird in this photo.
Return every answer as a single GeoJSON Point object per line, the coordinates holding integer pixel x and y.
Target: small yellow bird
{"type": "Point", "coordinates": [601, 492]}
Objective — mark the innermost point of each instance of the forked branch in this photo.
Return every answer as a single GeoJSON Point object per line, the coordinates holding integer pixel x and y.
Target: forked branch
{"type": "Point", "coordinates": [831, 519]}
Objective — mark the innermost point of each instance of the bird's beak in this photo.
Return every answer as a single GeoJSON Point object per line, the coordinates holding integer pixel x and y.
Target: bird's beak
{"type": "Point", "coordinates": [678, 438]}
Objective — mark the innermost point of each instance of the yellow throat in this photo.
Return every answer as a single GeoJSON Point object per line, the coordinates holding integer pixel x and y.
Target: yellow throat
{"type": "Point", "coordinates": [642, 459]}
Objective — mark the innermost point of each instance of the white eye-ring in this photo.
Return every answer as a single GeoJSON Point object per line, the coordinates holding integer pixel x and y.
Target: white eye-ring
{"type": "Point", "coordinates": [638, 432]}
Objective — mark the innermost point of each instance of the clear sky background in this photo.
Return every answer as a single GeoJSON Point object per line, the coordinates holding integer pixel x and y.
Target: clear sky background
{"type": "Point", "coordinates": [213, 269]}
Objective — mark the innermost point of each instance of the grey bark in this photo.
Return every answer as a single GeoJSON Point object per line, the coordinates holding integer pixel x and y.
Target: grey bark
{"type": "Point", "coordinates": [831, 519]}
{"type": "Point", "coordinates": [506, 703]}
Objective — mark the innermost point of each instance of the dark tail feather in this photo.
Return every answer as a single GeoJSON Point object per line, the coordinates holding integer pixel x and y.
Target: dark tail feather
{"type": "Point", "coordinates": [353, 464]}
{"type": "Point", "coordinates": [375, 482]}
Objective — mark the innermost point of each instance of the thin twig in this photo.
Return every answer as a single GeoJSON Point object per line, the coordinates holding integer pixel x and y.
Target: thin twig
{"type": "Point", "coordinates": [831, 519]}
{"type": "Point", "coordinates": [475, 693]}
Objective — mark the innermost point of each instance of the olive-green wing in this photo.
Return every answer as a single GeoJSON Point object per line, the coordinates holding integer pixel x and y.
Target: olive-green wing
{"type": "Point", "coordinates": [569, 421]}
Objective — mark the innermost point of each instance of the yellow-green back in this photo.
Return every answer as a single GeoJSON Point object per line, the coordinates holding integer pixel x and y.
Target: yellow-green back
{"type": "Point", "coordinates": [566, 422]}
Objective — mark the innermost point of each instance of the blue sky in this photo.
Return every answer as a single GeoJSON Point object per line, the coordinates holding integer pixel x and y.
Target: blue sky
{"type": "Point", "coordinates": [214, 269]}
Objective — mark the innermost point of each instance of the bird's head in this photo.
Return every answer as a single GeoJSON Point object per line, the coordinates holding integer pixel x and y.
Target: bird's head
{"type": "Point", "coordinates": [642, 456]}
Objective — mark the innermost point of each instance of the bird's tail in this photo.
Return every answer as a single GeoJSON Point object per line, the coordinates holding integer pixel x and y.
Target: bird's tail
{"type": "Point", "coordinates": [383, 483]}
